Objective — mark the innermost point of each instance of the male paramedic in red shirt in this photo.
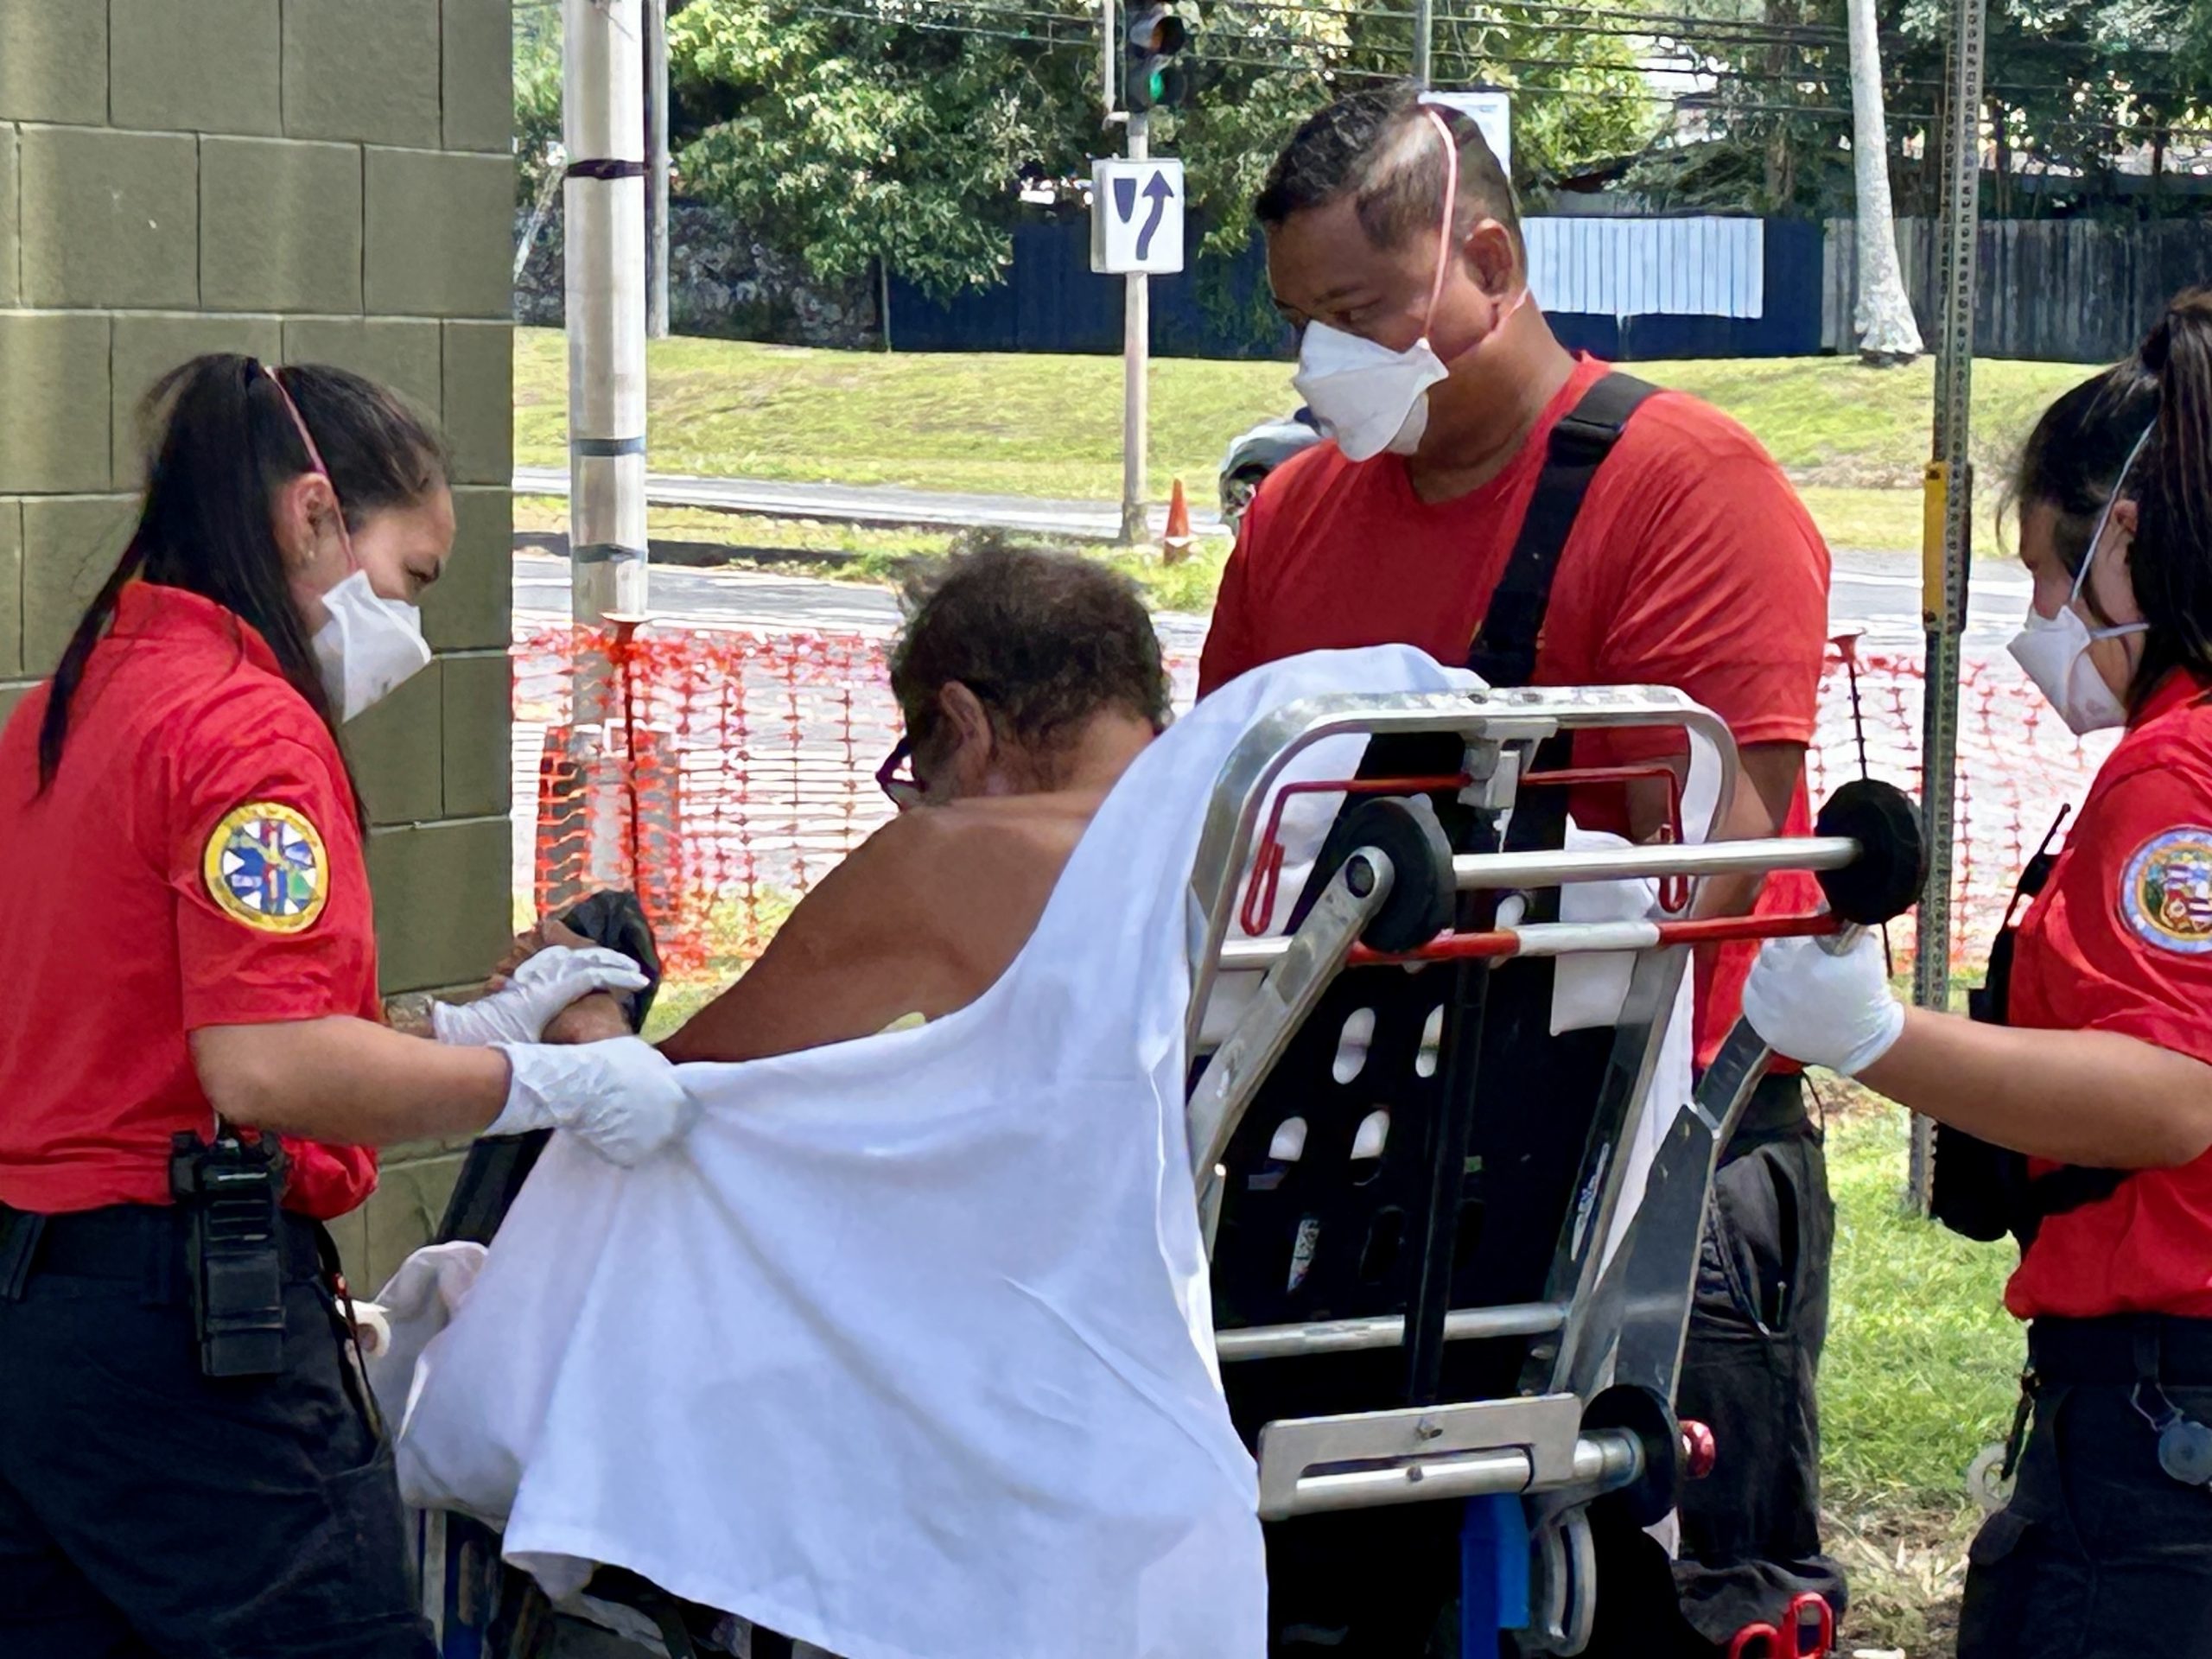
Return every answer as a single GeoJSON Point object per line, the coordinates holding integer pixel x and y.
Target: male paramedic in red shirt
{"type": "Point", "coordinates": [1394, 245]}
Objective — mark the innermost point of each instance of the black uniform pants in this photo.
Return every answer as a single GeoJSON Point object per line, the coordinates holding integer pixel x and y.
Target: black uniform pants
{"type": "Point", "coordinates": [146, 1509]}
{"type": "Point", "coordinates": [2100, 1554]}
{"type": "Point", "coordinates": [1750, 1530]}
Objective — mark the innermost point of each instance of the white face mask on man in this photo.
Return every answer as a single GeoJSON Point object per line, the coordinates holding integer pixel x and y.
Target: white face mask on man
{"type": "Point", "coordinates": [2054, 651]}
{"type": "Point", "coordinates": [1367, 396]}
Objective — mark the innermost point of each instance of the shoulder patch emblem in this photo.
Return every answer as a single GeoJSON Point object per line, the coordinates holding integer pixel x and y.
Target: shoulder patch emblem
{"type": "Point", "coordinates": [2166, 894]}
{"type": "Point", "coordinates": [265, 867]}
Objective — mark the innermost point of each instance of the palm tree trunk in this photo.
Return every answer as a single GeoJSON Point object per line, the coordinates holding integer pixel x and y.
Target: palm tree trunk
{"type": "Point", "coordinates": [1884, 321]}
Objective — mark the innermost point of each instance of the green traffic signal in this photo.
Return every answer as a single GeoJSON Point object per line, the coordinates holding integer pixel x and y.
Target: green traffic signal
{"type": "Point", "coordinates": [1149, 80]}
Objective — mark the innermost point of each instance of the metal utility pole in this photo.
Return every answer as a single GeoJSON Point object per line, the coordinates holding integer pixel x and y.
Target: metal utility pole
{"type": "Point", "coordinates": [1136, 363]}
{"type": "Point", "coordinates": [1424, 39]}
{"type": "Point", "coordinates": [603, 128]}
{"type": "Point", "coordinates": [657, 168]}
{"type": "Point", "coordinates": [1947, 524]}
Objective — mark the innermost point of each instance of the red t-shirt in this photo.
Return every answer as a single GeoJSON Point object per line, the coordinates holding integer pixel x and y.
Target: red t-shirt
{"type": "Point", "coordinates": [1691, 564]}
{"type": "Point", "coordinates": [196, 863]}
{"type": "Point", "coordinates": [2121, 940]}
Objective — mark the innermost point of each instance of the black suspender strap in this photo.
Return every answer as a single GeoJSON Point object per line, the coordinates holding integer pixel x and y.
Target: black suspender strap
{"type": "Point", "coordinates": [1504, 650]}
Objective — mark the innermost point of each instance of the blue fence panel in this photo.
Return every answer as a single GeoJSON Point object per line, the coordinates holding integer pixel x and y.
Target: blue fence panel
{"type": "Point", "coordinates": [1051, 302]}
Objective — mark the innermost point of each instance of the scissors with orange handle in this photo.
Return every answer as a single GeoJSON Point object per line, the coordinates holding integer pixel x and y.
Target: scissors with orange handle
{"type": "Point", "coordinates": [1808, 1616]}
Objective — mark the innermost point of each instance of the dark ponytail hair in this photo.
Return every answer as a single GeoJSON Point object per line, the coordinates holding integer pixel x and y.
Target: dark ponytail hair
{"type": "Point", "coordinates": [2072, 460]}
{"type": "Point", "coordinates": [226, 445]}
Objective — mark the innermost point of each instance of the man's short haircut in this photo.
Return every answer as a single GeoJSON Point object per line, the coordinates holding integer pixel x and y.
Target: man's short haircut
{"type": "Point", "coordinates": [1046, 637]}
{"type": "Point", "coordinates": [1377, 146]}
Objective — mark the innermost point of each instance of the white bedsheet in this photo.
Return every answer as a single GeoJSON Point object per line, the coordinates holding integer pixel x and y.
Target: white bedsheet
{"type": "Point", "coordinates": [906, 1352]}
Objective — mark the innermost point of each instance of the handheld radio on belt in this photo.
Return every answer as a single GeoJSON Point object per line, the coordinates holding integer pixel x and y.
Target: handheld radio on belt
{"type": "Point", "coordinates": [1984, 1192]}
{"type": "Point", "coordinates": [232, 1195]}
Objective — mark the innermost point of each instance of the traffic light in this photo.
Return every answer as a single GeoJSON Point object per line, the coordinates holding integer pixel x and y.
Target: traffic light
{"type": "Point", "coordinates": [1150, 78]}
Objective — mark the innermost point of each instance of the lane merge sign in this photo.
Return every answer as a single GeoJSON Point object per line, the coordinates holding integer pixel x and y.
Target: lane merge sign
{"type": "Point", "coordinates": [1137, 218]}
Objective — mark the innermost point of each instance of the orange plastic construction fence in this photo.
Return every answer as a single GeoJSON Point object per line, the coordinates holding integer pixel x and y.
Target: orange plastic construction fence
{"type": "Point", "coordinates": [734, 768]}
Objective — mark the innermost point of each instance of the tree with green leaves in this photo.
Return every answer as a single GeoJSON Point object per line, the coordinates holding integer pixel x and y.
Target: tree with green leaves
{"type": "Point", "coordinates": [2070, 85]}
{"type": "Point", "coordinates": [846, 135]}
{"type": "Point", "coordinates": [851, 131]}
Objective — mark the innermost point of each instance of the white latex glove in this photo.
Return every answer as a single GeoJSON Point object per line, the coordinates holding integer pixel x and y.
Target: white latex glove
{"type": "Point", "coordinates": [1836, 1011]}
{"type": "Point", "coordinates": [417, 1302]}
{"type": "Point", "coordinates": [519, 1010]}
{"type": "Point", "coordinates": [619, 1096]}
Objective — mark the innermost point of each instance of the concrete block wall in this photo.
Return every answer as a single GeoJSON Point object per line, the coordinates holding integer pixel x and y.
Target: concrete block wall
{"type": "Point", "coordinates": [307, 180]}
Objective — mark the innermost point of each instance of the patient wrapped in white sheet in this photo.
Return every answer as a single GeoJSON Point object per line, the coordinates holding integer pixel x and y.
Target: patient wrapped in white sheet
{"type": "Point", "coordinates": [906, 1352]}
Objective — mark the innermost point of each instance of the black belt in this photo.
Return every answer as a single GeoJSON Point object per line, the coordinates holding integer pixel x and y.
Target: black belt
{"type": "Point", "coordinates": [144, 1242]}
{"type": "Point", "coordinates": [2066, 1352]}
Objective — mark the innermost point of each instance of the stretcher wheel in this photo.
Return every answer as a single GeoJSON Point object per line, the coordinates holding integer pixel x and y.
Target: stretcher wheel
{"type": "Point", "coordinates": [1422, 887]}
{"type": "Point", "coordinates": [1652, 1496]}
{"type": "Point", "coordinates": [1887, 878]}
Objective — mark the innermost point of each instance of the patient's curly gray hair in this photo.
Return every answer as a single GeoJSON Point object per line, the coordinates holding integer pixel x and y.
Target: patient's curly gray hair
{"type": "Point", "coordinates": [1045, 637]}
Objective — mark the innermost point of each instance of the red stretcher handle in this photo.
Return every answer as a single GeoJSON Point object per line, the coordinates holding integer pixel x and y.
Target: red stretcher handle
{"type": "Point", "coordinates": [1507, 942]}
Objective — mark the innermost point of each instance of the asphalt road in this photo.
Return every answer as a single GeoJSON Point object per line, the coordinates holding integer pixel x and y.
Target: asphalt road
{"type": "Point", "coordinates": [884, 505]}
{"type": "Point", "coordinates": [1876, 593]}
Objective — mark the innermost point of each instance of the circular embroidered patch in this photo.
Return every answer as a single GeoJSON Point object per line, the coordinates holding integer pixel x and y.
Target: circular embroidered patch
{"type": "Point", "coordinates": [265, 867]}
{"type": "Point", "coordinates": [2166, 894]}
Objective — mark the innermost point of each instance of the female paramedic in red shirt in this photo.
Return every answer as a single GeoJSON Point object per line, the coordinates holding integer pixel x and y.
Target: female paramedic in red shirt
{"type": "Point", "coordinates": [189, 1464]}
{"type": "Point", "coordinates": [2102, 1073]}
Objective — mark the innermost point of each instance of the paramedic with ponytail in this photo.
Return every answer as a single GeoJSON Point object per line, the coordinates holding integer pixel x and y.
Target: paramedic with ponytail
{"type": "Point", "coordinates": [2083, 1105]}
{"type": "Point", "coordinates": [192, 1065]}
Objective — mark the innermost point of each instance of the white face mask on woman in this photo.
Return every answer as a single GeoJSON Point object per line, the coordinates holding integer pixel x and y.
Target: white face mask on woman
{"type": "Point", "coordinates": [2054, 651]}
{"type": "Point", "coordinates": [368, 646]}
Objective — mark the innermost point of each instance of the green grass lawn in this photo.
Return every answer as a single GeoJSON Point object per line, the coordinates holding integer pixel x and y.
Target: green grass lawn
{"type": "Point", "coordinates": [1855, 438]}
{"type": "Point", "coordinates": [1922, 1363]}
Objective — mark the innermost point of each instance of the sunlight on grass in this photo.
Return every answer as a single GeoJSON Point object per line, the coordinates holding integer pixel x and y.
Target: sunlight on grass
{"type": "Point", "coordinates": [1922, 1363]}
{"type": "Point", "coordinates": [735, 933]}
{"type": "Point", "coordinates": [1855, 438]}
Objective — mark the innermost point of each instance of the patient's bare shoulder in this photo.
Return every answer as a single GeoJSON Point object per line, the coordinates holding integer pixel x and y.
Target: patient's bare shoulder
{"type": "Point", "coordinates": [922, 918]}
{"type": "Point", "coordinates": [979, 873]}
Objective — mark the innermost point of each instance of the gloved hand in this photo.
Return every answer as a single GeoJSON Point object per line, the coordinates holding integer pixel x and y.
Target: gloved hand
{"type": "Point", "coordinates": [1821, 1009]}
{"type": "Point", "coordinates": [542, 986]}
{"type": "Point", "coordinates": [620, 1096]}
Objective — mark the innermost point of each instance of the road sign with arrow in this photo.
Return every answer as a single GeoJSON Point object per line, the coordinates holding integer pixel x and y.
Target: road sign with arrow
{"type": "Point", "coordinates": [1137, 218]}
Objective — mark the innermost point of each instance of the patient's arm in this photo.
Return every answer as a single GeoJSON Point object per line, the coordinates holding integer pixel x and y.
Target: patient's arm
{"type": "Point", "coordinates": [921, 918]}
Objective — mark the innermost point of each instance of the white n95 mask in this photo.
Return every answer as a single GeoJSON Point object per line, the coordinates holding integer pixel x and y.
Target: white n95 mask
{"type": "Point", "coordinates": [1366, 397]}
{"type": "Point", "coordinates": [369, 648]}
{"type": "Point", "coordinates": [2054, 651]}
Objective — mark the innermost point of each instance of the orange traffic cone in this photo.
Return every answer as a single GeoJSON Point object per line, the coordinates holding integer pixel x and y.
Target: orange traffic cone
{"type": "Point", "coordinates": [1175, 546]}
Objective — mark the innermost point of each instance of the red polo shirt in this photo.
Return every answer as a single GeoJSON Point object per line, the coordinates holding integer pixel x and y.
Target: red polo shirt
{"type": "Point", "coordinates": [2121, 940]}
{"type": "Point", "coordinates": [1692, 564]}
{"type": "Point", "coordinates": [196, 864]}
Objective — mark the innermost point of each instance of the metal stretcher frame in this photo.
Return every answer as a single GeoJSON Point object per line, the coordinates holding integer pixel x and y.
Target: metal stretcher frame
{"type": "Point", "coordinates": [1541, 1444]}
{"type": "Point", "coordinates": [1632, 1319]}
